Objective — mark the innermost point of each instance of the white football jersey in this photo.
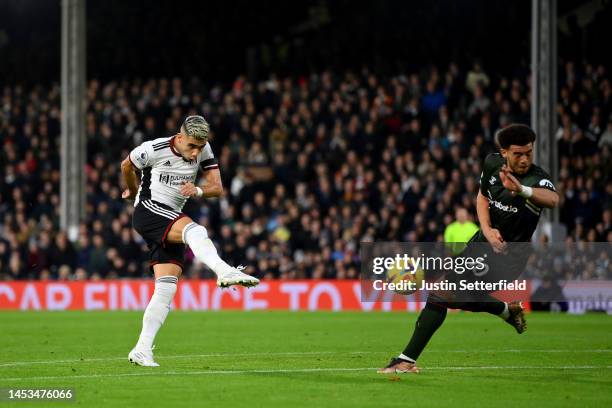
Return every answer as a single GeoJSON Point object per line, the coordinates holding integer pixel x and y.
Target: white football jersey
{"type": "Point", "coordinates": [164, 171]}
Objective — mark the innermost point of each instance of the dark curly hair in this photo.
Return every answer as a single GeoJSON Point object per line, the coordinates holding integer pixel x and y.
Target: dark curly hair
{"type": "Point", "coordinates": [514, 134]}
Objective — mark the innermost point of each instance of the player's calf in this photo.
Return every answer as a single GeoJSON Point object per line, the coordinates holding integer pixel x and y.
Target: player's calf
{"type": "Point", "coordinates": [204, 250]}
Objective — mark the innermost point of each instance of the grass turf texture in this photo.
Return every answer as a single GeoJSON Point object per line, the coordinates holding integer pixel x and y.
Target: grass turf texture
{"type": "Point", "coordinates": [308, 359]}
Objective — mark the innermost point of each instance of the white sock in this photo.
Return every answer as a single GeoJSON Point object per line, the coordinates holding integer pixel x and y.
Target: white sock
{"type": "Point", "coordinates": [203, 248]}
{"type": "Point", "coordinates": [157, 310]}
{"type": "Point", "coordinates": [506, 313]}
{"type": "Point", "coordinates": [406, 358]}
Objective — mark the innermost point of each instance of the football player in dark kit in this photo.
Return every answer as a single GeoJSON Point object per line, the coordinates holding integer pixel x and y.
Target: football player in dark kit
{"type": "Point", "coordinates": [513, 192]}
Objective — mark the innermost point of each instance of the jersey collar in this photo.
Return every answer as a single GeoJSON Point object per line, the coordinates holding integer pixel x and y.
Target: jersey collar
{"type": "Point", "coordinates": [173, 149]}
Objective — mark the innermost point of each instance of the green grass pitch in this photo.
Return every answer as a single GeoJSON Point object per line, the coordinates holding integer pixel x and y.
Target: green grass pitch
{"type": "Point", "coordinates": [318, 359]}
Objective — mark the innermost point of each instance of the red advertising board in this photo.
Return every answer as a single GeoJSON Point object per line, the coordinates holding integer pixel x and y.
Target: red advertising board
{"type": "Point", "coordinates": [195, 295]}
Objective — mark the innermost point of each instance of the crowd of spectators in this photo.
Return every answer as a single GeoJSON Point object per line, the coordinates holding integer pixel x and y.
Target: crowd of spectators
{"type": "Point", "coordinates": [311, 165]}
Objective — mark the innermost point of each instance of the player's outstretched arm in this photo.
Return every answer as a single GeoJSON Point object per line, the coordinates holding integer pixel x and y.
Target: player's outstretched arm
{"type": "Point", "coordinates": [212, 186]}
{"type": "Point", "coordinates": [541, 197]}
{"type": "Point", "coordinates": [491, 234]}
{"type": "Point", "coordinates": [129, 177]}
{"type": "Point", "coordinates": [544, 198]}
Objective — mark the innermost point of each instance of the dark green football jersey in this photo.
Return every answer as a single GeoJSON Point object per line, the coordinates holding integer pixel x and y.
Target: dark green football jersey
{"type": "Point", "coordinates": [515, 217]}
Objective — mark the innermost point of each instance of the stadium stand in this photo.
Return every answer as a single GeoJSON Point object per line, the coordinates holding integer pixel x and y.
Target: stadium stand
{"type": "Point", "coordinates": [312, 165]}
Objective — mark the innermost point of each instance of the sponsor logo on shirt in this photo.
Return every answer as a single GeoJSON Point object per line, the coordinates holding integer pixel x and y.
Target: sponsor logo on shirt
{"type": "Point", "coordinates": [174, 180]}
{"type": "Point", "coordinates": [505, 208]}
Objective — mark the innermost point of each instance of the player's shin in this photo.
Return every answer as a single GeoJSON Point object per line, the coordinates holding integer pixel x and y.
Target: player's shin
{"type": "Point", "coordinates": [204, 249]}
{"type": "Point", "coordinates": [491, 305]}
{"type": "Point", "coordinates": [430, 319]}
{"type": "Point", "coordinates": [157, 310]}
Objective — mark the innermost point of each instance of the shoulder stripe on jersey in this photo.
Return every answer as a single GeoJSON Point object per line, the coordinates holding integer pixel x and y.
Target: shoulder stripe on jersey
{"type": "Point", "coordinates": [160, 208]}
{"type": "Point", "coordinates": [162, 142]}
{"type": "Point", "coordinates": [160, 147]}
{"type": "Point", "coordinates": [212, 166]}
{"type": "Point", "coordinates": [146, 204]}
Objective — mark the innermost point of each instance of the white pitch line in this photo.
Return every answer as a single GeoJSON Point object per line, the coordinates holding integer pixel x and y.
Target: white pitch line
{"type": "Point", "coordinates": [213, 355]}
{"type": "Point", "coordinates": [524, 351]}
{"type": "Point", "coordinates": [297, 370]}
{"type": "Point", "coordinates": [566, 367]}
{"type": "Point", "coordinates": [292, 353]}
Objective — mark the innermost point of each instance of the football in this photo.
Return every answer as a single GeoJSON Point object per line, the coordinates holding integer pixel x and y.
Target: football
{"type": "Point", "coordinates": [405, 281]}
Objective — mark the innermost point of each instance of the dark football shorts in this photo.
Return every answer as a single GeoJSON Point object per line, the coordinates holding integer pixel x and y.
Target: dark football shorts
{"type": "Point", "coordinates": [153, 221]}
{"type": "Point", "coordinates": [500, 266]}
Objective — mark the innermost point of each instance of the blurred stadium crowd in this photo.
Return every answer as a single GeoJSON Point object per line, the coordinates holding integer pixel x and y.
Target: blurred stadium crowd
{"type": "Point", "coordinates": [311, 165]}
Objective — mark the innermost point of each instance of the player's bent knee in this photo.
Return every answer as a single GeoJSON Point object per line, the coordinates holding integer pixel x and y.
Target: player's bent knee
{"type": "Point", "coordinates": [167, 269]}
{"type": "Point", "coordinates": [175, 235]}
{"type": "Point", "coordinates": [194, 228]}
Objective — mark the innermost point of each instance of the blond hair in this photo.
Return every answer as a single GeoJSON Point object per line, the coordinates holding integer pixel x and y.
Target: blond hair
{"type": "Point", "coordinates": [196, 126]}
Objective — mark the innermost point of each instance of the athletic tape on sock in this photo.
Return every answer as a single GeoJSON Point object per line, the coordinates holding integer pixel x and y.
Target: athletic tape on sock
{"type": "Point", "coordinates": [167, 279]}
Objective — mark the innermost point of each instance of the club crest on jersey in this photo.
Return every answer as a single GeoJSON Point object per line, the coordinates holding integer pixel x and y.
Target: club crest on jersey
{"type": "Point", "coordinates": [492, 180]}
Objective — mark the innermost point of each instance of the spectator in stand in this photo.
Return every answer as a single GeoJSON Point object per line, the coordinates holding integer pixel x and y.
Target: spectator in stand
{"type": "Point", "coordinates": [314, 164]}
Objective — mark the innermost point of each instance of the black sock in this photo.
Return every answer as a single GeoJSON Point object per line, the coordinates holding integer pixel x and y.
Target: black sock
{"type": "Point", "coordinates": [485, 303]}
{"type": "Point", "coordinates": [431, 317]}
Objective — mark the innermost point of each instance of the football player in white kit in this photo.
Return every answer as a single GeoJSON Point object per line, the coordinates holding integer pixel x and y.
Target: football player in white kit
{"type": "Point", "coordinates": [169, 168]}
